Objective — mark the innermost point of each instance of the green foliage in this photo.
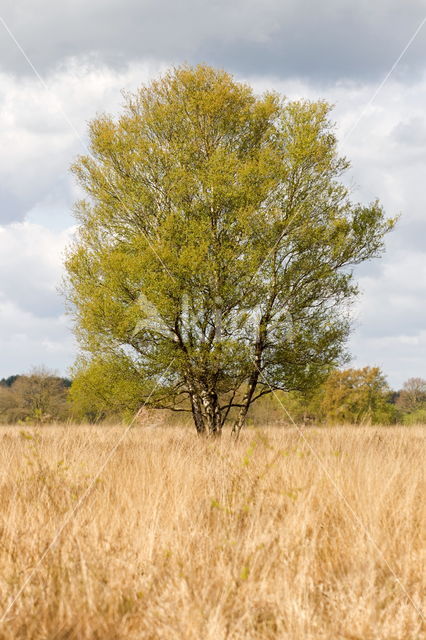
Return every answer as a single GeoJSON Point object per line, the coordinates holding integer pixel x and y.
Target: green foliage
{"type": "Point", "coordinates": [105, 387]}
{"type": "Point", "coordinates": [415, 417]}
{"type": "Point", "coordinates": [285, 407]}
{"type": "Point", "coordinates": [215, 250]}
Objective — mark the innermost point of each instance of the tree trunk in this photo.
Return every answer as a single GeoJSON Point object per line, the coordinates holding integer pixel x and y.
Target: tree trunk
{"type": "Point", "coordinates": [211, 413]}
{"type": "Point", "coordinates": [197, 414]}
{"type": "Point", "coordinates": [254, 377]}
{"type": "Point", "coordinates": [205, 409]}
{"type": "Point", "coordinates": [239, 422]}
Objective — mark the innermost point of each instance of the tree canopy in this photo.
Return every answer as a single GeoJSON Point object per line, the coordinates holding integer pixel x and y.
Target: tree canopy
{"type": "Point", "coordinates": [356, 396]}
{"type": "Point", "coordinates": [214, 258]}
{"type": "Point", "coordinates": [412, 395]}
{"type": "Point", "coordinates": [39, 396]}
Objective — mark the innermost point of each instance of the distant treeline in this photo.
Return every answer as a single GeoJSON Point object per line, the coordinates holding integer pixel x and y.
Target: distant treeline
{"type": "Point", "coordinates": [8, 382]}
{"type": "Point", "coordinates": [350, 396]}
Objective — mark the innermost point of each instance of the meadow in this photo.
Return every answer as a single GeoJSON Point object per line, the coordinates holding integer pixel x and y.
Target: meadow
{"type": "Point", "coordinates": [311, 534]}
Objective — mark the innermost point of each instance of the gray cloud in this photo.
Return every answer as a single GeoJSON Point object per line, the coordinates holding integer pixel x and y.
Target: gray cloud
{"type": "Point", "coordinates": [411, 132]}
{"type": "Point", "coordinates": [320, 41]}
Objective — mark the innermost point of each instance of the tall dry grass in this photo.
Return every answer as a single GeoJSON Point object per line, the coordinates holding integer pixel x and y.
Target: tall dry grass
{"type": "Point", "coordinates": [186, 539]}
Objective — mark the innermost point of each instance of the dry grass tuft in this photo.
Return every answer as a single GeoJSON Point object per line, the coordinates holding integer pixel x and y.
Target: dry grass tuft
{"type": "Point", "coordinates": [193, 540]}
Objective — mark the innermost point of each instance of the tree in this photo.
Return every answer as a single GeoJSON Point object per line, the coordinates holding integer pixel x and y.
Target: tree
{"type": "Point", "coordinates": [413, 395]}
{"type": "Point", "coordinates": [39, 396]}
{"type": "Point", "coordinates": [216, 245]}
{"type": "Point", "coordinates": [356, 396]}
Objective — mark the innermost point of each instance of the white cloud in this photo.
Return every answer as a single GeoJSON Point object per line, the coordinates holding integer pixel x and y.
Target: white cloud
{"type": "Point", "coordinates": [31, 259]}
{"type": "Point", "coordinates": [33, 327]}
{"type": "Point", "coordinates": [43, 129]}
{"type": "Point", "coordinates": [27, 340]}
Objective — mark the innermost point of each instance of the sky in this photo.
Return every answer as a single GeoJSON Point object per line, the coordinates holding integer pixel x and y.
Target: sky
{"type": "Point", "coordinates": [62, 63]}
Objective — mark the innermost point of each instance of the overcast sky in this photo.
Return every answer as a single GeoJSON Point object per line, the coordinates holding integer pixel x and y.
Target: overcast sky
{"type": "Point", "coordinates": [61, 63]}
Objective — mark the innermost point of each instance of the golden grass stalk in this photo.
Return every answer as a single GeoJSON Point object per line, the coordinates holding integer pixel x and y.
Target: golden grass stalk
{"type": "Point", "coordinates": [182, 538]}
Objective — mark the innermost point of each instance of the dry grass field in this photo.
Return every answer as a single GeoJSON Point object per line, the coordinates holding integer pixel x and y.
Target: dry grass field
{"type": "Point", "coordinates": [184, 539]}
